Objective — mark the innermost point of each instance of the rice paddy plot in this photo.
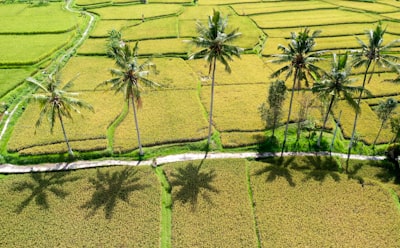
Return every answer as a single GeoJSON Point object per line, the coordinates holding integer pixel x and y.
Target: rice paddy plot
{"type": "Point", "coordinates": [248, 69]}
{"type": "Point", "coordinates": [93, 47]}
{"type": "Point", "coordinates": [24, 19]}
{"type": "Point", "coordinates": [380, 84]}
{"type": "Point", "coordinates": [173, 73]}
{"type": "Point", "coordinates": [87, 126]}
{"type": "Point", "coordinates": [77, 145]}
{"type": "Point", "coordinates": [88, 71]}
{"type": "Point", "coordinates": [158, 28]}
{"type": "Point", "coordinates": [312, 18]}
{"type": "Point", "coordinates": [367, 126]}
{"type": "Point", "coordinates": [223, 2]}
{"type": "Point", "coordinates": [11, 78]}
{"type": "Point", "coordinates": [170, 1]}
{"type": "Point", "coordinates": [310, 200]}
{"type": "Point", "coordinates": [171, 116]}
{"type": "Point", "coordinates": [203, 12]}
{"type": "Point", "coordinates": [374, 6]}
{"type": "Point", "coordinates": [31, 48]}
{"type": "Point", "coordinates": [345, 29]}
{"type": "Point", "coordinates": [236, 106]}
{"type": "Point", "coordinates": [163, 47]}
{"type": "Point", "coordinates": [279, 6]}
{"type": "Point", "coordinates": [103, 27]}
{"type": "Point", "coordinates": [91, 2]}
{"type": "Point", "coordinates": [211, 205]}
{"type": "Point", "coordinates": [336, 43]}
{"type": "Point", "coordinates": [105, 207]}
{"type": "Point", "coordinates": [138, 11]}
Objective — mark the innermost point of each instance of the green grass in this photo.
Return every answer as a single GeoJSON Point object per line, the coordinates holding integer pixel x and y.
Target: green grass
{"type": "Point", "coordinates": [210, 204]}
{"type": "Point", "coordinates": [118, 206]}
{"type": "Point", "coordinates": [135, 12]}
{"type": "Point", "coordinates": [23, 18]}
{"type": "Point", "coordinates": [40, 47]}
{"type": "Point", "coordinates": [93, 47]}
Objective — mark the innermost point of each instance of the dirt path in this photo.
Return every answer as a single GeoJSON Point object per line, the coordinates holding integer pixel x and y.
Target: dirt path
{"type": "Point", "coordinates": [11, 169]}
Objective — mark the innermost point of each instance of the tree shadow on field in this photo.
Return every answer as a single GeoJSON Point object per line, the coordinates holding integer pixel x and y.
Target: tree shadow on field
{"type": "Point", "coordinates": [320, 168]}
{"type": "Point", "coordinates": [41, 185]}
{"type": "Point", "coordinates": [192, 183]}
{"type": "Point", "coordinates": [109, 188]}
{"type": "Point", "coordinates": [279, 167]}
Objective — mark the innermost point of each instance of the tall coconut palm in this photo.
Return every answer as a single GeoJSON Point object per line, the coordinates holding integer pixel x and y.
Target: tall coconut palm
{"type": "Point", "coordinates": [128, 77]}
{"type": "Point", "coordinates": [216, 47]}
{"type": "Point", "coordinates": [385, 111]}
{"type": "Point", "coordinates": [372, 54]}
{"type": "Point", "coordinates": [56, 102]}
{"type": "Point", "coordinates": [335, 85]}
{"type": "Point", "coordinates": [300, 60]}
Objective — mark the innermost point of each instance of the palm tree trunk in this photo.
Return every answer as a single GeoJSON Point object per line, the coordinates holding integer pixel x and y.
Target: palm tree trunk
{"type": "Point", "coordinates": [212, 102]}
{"type": "Point", "coordinates": [379, 132]}
{"type": "Point", "coordinates": [70, 152]}
{"type": "Point", "coordinates": [290, 111]}
{"type": "Point", "coordinates": [137, 126]}
{"type": "Point", "coordinates": [356, 116]}
{"type": "Point", "coordinates": [325, 120]}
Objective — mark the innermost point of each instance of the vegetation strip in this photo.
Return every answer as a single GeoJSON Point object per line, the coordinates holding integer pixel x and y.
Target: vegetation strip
{"type": "Point", "coordinates": [250, 191]}
{"type": "Point", "coordinates": [166, 208]}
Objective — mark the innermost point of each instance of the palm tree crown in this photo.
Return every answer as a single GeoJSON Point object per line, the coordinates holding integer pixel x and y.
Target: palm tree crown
{"type": "Point", "coordinates": [55, 101]}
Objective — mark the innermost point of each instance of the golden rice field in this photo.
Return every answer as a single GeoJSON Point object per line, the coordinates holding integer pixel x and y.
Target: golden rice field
{"type": "Point", "coordinates": [177, 111]}
{"type": "Point", "coordinates": [222, 202]}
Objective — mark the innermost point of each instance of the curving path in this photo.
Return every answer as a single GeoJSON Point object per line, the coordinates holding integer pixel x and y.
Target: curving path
{"type": "Point", "coordinates": [12, 169]}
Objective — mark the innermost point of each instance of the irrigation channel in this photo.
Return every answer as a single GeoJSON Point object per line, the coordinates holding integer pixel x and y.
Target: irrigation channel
{"type": "Point", "coordinates": [62, 58]}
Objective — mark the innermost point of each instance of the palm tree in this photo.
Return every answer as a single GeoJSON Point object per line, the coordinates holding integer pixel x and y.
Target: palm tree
{"type": "Point", "coordinates": [56, 102]}
{"type": "Point", "coordinates": [335, 85]}
{"type": "Point", "coordinates": [385, 111]}
{"type": "Point", "coordinates": [214, 41]}
{"type": "Point", "coordinates": [374, 53]}
{"type": "Point", "coordinates": [300, 60]}
{"type": "Point", "coordinates": [128, 78]}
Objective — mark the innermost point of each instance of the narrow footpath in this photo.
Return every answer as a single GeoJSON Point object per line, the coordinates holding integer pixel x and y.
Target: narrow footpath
{"type": "Point", "coordinates": [48, 167]}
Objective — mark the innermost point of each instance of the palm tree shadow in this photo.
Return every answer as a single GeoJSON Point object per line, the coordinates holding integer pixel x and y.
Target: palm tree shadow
{"type": "Point", "coordinates": [192, 183]}
{"type": "Point", "coordinates": [109, 188]}
{"type": "Point", "coordinates": [41, 185]}
{"type": "Point", "coordinates": [279, 168]}
{"type": "Point", "coordinates": [322, 168]}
